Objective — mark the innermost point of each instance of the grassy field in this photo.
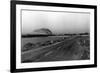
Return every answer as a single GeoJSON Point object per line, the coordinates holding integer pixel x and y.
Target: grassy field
{"type": "Point", "coordinates": [55, 48]}
{"type": "Point", "coordinates": [41, 40]}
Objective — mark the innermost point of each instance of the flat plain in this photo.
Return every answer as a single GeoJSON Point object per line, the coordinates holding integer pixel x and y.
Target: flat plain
{"type": "Point", "coordinates": [55, 48]}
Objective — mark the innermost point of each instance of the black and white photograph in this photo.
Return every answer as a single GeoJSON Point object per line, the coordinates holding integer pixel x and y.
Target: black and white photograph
{"type": "Point", "coordinates": [53, 35]}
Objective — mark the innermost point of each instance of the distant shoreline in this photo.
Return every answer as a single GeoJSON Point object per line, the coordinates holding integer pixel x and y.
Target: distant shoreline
{"type": "Point", "coordinates": [28, 36]}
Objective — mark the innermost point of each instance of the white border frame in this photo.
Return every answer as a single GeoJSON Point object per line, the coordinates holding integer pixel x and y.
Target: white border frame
{"type": "Point", "coordinates": [20, 65]}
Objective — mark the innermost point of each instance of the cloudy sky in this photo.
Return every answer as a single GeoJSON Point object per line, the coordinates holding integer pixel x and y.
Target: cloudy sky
{"type": "Point", "coordinates": [57, 22]}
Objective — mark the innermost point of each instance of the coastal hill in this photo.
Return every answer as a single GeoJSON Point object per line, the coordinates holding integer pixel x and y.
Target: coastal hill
{"type": "Point", "coordinates": [43, 31]}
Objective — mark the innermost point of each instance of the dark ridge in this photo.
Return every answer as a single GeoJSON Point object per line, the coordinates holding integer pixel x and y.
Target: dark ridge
{"type": "Point", "coordinates": [28, 36]}
{"type": "Point", "coordinates": [46, 35]}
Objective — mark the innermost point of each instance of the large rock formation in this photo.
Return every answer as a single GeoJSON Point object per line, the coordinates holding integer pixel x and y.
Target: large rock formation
{"type": "Point", "coordinates": [43, 31]}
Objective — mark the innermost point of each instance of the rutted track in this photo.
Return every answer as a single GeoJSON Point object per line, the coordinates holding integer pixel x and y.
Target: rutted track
{"type": "Point", "coordinates": [64, 50]}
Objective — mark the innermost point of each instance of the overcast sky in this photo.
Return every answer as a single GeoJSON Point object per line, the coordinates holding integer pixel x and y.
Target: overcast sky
{"type": "Point", "coordinates": [57, 22]}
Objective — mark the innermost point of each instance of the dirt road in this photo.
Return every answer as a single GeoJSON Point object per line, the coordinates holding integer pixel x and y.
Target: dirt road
{"type": "Point", "coordinates": [69, 49]}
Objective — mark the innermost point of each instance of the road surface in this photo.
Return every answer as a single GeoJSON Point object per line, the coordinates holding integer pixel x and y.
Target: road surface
{"type": "Point", "coordinates": [68, 49]}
